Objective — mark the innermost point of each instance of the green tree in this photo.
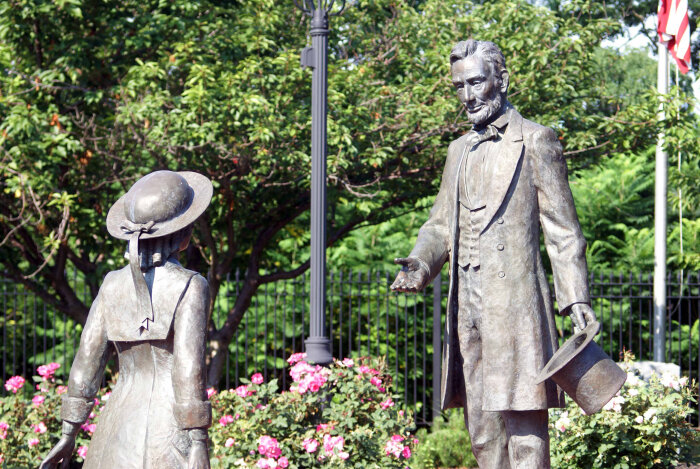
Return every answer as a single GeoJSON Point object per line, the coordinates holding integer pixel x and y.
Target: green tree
{"type": "Point", "coordinates": [636, 14]}
{"type": "Point", "coordinates": [94, 95]}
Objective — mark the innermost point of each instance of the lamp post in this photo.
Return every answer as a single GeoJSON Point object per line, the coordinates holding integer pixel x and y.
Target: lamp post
{"type": "Point", "coordinates": [318, 346]}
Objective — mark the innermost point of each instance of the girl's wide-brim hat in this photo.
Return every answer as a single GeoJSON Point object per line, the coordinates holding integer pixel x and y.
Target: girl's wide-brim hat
{"type": "Point", "coordinates": [160, 204]}
{"type": "Point", "coordinates": [584, 371]}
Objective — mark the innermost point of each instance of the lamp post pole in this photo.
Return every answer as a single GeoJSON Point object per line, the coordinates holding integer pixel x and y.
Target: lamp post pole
{"type": "Point", "coordinates": [318, 346]}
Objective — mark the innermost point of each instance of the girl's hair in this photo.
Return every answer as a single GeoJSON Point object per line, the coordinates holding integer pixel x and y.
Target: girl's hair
{"type": "Point", "coordinates": [154, 252]}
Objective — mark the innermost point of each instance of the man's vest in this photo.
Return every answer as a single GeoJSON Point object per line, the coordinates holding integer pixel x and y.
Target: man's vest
{"type": "Point", "coordinates": [472, 205]}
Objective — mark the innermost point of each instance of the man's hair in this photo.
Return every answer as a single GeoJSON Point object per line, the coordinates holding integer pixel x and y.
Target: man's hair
{"type": "Point", "coordinates": [485, 49]}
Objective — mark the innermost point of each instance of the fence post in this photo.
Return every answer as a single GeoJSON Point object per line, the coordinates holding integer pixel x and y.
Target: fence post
{"type": "Point", "coordinates": [437, 344]}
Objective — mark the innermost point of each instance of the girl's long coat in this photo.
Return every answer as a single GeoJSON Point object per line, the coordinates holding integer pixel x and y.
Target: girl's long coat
{"type": "Point", "coordinates": [159, 369]}
{"type": "Point", "coordinates": [525, 188]}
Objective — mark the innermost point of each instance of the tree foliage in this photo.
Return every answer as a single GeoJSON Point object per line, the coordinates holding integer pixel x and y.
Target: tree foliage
{"type": "Point", "coordinates": [94, 95]}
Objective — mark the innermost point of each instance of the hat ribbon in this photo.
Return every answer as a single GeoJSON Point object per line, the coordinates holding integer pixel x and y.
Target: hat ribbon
{"type": "Point", "coordinates": [143, 295]}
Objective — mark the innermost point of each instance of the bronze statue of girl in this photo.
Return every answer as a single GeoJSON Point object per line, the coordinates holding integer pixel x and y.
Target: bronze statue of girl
{"type": "Point", "coordinates": [154, 313]}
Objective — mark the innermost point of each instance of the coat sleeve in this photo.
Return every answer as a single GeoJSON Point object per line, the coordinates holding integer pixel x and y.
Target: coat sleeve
{"type": "Point", "coordinates": [88, 366]}
{"type": "Point", "coordinates": [433, 242]}
{"type": "Point", "coordinates": [192, 408]}
{"type": "Point", "coordinates": [563, 239]}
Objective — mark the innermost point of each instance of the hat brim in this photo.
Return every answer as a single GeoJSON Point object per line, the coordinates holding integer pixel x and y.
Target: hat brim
{"type": "Point", "coordinates": [568, 351]}
{"type": "Point", "coordinates": [203, 191]}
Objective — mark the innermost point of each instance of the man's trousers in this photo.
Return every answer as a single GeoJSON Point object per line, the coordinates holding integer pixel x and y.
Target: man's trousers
{"type": "Point", "coordinates": [500, 440]}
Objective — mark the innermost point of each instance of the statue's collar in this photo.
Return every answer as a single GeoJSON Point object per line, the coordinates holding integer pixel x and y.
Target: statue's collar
{"type": "Point", "coordinates": [501, 120]}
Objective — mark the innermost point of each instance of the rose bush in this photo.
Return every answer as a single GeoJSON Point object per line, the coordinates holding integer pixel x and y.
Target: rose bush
{"type": "Point", "coordinates": [29, 422]}
{"type": "Point", "coordinates": [643, 426]}
{"type": "Point", "coordinates": [340, 416]}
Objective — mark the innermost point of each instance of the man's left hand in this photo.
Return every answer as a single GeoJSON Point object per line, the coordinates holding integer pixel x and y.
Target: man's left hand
{"type": "Point", "coordinates": [581, 315]}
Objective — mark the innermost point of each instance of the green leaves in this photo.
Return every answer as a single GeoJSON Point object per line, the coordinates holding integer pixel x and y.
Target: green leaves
{"type": "Point", "coordinates": [643, 427]}
{"type": "Point", "coordinates": [94, 95]}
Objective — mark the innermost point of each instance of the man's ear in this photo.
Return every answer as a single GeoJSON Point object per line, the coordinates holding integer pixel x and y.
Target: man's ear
{"type": "Point", "coordinates": [505, 81]}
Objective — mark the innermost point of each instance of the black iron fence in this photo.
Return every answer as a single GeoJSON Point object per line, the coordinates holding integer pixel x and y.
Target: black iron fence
{"type": "Point", "coordinates": [365, 318]}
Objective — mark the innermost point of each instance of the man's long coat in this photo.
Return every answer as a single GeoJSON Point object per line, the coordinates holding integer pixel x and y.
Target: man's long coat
{"type": "Point", "coordinates": [525, 188]}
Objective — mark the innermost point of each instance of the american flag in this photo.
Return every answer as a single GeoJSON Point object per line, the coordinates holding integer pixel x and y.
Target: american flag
{"type": "Point", "coordinates": [674, 31]}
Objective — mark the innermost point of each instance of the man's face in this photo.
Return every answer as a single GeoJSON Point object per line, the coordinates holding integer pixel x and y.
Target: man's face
{"type": "Point", "coordinates": [478, 88]}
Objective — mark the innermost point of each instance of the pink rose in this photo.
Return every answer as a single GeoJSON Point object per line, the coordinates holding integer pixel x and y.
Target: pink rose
{"type": "Point", "coordinates": [257, 378]}
{"type": "Point", "coordinates": [283, 462]}
{"type": "Point", "coordinates": [89, 427]}
{"type": "Point", "coordinates": [300, 369]}
{"type": "Point", "coordinates": [308, 378]}
{"type": "Point", "coordinates": [268, 446]}
{"type": "Point", "coordinates": [395, 447]}
{"type": "Point", "coordinates": [33, 442]}
{"type": "Point", "coordinates": [38, 400]}
{"type": "Point", "coordinates": [225, 420]}
{"type": "Point", "coordinates": [243, 391]}
{"type": "Point", "coordinates": [267, 463]}
{"type": "Point", "coordinates": [386, 404]}
{"type": "Point", "coordinates": [3, 430]}
{"type": "Point", "coordinates": [14, 384]}
{"type": "Point", "coordinates": [39, 427]}
{"type": "Point", "coordinates": [348, 362]}
{"type": "Point", "coordinates": [310, 445]}
{"type": "Point", "coordinates": [230, 442]}
{"type": "Point", "coordinates": [210, 392]}
{"type": "Point", "coordinates": [82, 451]}
{"type": "Point", "coordinates": [364, 369]}
{"type": "Point", "coordinates": [334, 445]}
{"type": "Point", "coordinates": [296, 358]}
{"type": "Point", "coordinates": [47, 371]}
{"type": "Point", "coordinates": [61, 390]}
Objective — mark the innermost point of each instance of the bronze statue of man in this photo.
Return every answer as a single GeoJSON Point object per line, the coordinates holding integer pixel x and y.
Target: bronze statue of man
{"type": "Point", "coordinates": [503, 181]}
{"type": "Point", "coordinates": [154, 313]}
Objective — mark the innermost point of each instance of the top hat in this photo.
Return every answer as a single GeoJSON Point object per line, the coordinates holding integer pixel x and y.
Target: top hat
{"type": "Point", "coordinates": [160, 204]}
{"type": "Point", "coordinates": [584, 371]}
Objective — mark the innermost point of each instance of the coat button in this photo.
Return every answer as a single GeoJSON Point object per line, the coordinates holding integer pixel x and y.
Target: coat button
{"type": "Point", "coordinates": [500, 221]}
{"type": "Point", "coordinates": [501, 274]}
{"type": "Point", "coordinates": [500, 247]}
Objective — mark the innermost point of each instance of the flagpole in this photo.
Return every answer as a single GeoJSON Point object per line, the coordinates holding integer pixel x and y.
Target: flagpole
{"type": "Point", "coordinates": [660, 201]}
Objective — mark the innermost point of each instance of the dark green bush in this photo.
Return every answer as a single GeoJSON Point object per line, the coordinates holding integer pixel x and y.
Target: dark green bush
{"type": "Point", "coordinates": [447, 444]}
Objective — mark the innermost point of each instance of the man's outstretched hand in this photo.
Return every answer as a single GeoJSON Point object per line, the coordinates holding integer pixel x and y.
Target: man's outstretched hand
{"type": "Point", "coordinates": [412, 277]}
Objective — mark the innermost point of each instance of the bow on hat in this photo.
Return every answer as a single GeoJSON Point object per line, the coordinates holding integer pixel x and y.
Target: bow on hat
{"type": "Point", "coordinates": [143, 296]}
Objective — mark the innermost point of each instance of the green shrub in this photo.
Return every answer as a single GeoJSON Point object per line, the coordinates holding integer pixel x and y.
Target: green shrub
{"type": "Point", "coordinates": [446, 445]}
{"type": "Point", "coordinates": [340, 416]}
{"type": "Point", "coordinates": [643, 426]}
{"type": "Point", "coordinates": [29, 419]}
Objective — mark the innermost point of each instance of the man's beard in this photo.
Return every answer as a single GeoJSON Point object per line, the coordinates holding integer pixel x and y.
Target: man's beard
{"type": "Point", "coordinates": [489, 109]}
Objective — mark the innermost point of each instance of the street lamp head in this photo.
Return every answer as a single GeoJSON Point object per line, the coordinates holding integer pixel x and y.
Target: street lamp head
{"type": "Point", "coordinates": [314, 8]}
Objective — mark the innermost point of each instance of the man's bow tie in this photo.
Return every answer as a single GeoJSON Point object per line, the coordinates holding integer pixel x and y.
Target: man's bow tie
{"type": "Point", "coordinates": [487, 133]}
